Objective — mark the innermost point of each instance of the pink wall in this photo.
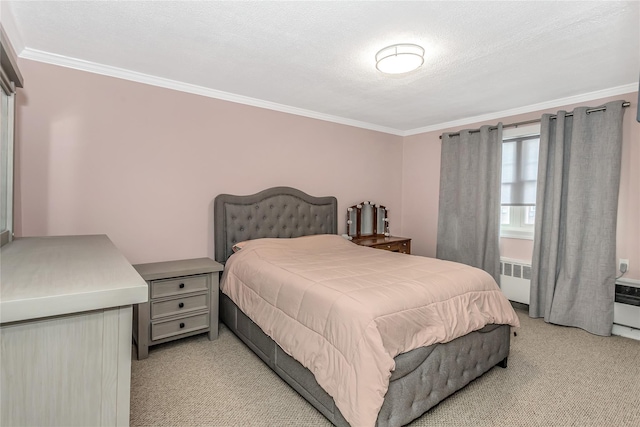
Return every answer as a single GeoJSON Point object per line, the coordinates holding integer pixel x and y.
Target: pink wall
{"type": "Point", "coordinates": [516, 249]}
{"type": "Point", "coordinates": [142, 164]}
{"type": "Point", "coordinates": [421, 180]}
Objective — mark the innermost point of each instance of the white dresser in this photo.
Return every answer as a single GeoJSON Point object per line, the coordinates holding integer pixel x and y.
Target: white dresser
{"type": "Point", "coordinates": [65, 331]}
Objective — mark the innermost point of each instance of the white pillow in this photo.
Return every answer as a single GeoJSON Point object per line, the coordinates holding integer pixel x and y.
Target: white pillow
{"type": "Point", "coordinates": [236, 247]}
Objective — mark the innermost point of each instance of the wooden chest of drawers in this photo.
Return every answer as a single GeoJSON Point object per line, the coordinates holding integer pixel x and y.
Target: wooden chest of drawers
{"type": "Point", "coordinates": [183, 301]}
{"type": "Point", "coordinates": [391, 243]}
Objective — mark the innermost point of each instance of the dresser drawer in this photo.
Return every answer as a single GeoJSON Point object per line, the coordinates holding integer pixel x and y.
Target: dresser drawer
{"type": "Point", "coordinates": [179, 305]}
{"type": "Point", "coordinates": [393, 247]}
{"type": "Point", "coordinates": [169, 328]}
{"type": "Point", "coordinates": [388, 243]}
{"type": "Point", "coordinates": [402, 247]}
{"type": "Point", "coordinates": [181, 285]}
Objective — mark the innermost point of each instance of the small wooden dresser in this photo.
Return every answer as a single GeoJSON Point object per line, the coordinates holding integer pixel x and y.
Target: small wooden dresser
{"type": "Point", "coordinates": [390, 243]}
{"type": "Point", "coordinates": [183, 301]}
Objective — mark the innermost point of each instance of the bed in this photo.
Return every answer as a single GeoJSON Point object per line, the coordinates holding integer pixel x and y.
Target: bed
{"type": "Point", "coordinates": [420, 378]}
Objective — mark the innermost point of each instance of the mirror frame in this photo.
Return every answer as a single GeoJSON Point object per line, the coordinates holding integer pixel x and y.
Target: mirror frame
{"type": "Point", "coordinates": [355, 220]}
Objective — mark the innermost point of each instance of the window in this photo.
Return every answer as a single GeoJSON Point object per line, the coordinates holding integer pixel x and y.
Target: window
{"type": "Point", "coordinates": [519, 182]}
{"type": "Point", "coordinates": [9, 78]}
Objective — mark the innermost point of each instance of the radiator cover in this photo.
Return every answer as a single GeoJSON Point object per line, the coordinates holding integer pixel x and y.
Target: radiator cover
{"type": "Point", "coordinates": [515, 284]}
{"type": "Point", "coordinates": [626, 309]}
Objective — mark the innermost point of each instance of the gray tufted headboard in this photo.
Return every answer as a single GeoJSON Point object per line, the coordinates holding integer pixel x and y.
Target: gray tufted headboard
{"type": "Point", "coordinates": [274, 212]}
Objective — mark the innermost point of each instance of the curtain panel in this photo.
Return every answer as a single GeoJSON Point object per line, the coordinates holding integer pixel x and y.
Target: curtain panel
{"type": "Point", "coordinates": [573, 268]}
{"type": "Point", "coordinates": [469, 205]}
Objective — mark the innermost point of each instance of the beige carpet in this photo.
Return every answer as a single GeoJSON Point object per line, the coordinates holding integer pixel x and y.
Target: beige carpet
{"type": "Point", "coordinates": [557, 376]}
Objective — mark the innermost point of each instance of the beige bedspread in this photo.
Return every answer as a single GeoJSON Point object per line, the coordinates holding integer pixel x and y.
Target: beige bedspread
{"type": "Point", "coordinates": [345, 311]}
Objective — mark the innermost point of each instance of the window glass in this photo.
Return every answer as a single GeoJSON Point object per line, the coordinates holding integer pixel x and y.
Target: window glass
{"type": "Point", "coordinates": [529, 167]}
{"type": "Point", "coordinates": [519, 183]}
{"type": "Point", "coordinates": [509, 162]}
{"type": "Point", "coordinates": [505, 215]}
{"type": "Point", "coordinates": [530, 215]}
{"type": "Point", "coordinates": [520, 171]}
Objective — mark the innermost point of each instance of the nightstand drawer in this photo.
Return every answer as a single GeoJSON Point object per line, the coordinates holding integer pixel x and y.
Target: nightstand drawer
{"type": "Point", "coordinates": [185, 304]}
{"type": "Point", "coordinates": [182, 292]}
{"type": "Point", "coordinates": [160, 330]}
{"type": "Point", "coordinates": [181, 285]}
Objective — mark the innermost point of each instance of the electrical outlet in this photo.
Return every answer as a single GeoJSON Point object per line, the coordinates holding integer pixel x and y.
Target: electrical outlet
{"type": "Point", "coordinates": [623, 265]}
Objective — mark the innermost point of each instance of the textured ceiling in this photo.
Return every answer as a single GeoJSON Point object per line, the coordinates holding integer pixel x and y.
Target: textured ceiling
{"type": "Point", "coordinates": [482, 57]}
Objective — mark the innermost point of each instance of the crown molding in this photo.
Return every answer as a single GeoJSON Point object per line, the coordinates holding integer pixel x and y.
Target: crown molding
{"type": "Point", "coordinates": [590, 96]}
{"type": "Point", "coordinates": [121, 73]}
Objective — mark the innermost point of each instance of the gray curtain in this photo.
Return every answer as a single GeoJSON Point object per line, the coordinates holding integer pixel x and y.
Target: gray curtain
{"type": "Point", "coordinates": [469, 207]}
{"type": "Point", "coordinates": [573, 271]}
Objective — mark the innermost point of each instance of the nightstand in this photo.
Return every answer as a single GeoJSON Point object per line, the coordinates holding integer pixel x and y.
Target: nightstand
{"type": "Point", "coordinates": [391, 243]}
{"type": "Point", "coordinates": [183, 301]}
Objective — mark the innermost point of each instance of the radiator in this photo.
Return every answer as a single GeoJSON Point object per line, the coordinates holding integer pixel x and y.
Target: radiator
{"type": "Point", "coordinates": [626, 309]}
{"type": "Point", "coordinates": [515, 281]}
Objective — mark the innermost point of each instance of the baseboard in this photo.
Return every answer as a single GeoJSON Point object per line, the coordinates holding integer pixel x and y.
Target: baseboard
{"type": "Point", "coordinates": [520, 306]}
{"type": "Point", "coordinates": [627, 332]}
{"type": "Point", "coordinates": [619, 330]}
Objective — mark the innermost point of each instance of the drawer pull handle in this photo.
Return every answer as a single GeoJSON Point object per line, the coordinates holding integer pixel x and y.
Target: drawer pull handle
{"type": "Point", "coordinates": [181, 285]}
{"type": "Point", "coordinates": [181, 325]}
{"type": "Point", "coordinates": [389, 246]}
{"type": "Point", "coordinates": [181, 305]}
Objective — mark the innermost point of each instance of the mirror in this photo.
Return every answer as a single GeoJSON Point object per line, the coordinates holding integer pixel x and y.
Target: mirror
{"type": "Point", "coordinates": [366, 213]}
{"type": "Point", "coordinates": [352, 222]}
{"type": "Point", "coordinates": [367, 219]}
{"type": "Point", "coordinates": [382, 220]}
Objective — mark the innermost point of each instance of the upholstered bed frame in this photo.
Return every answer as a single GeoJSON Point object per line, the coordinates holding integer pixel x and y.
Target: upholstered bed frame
{"type": "Point", "coordinates": [423, 377]}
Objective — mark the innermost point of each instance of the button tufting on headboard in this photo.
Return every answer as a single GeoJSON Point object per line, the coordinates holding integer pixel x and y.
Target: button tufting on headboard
{"type": "Point", "coordinates": [274, 207]}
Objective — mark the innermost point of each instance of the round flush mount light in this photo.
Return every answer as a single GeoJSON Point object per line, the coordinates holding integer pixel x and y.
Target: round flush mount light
{"type": "Point", "coordinates": [399, 58]}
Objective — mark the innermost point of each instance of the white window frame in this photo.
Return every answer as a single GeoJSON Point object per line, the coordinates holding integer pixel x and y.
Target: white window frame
{"type": "Point", "coordinates": [517, 229]}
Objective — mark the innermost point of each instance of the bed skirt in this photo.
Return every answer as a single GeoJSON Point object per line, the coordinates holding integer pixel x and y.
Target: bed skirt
{"type": "Point", "coordinates": [423, 377]}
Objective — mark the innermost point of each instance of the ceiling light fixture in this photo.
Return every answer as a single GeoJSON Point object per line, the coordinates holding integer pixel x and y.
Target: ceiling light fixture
{"type": "Point", "coordinates": [400, 58]}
